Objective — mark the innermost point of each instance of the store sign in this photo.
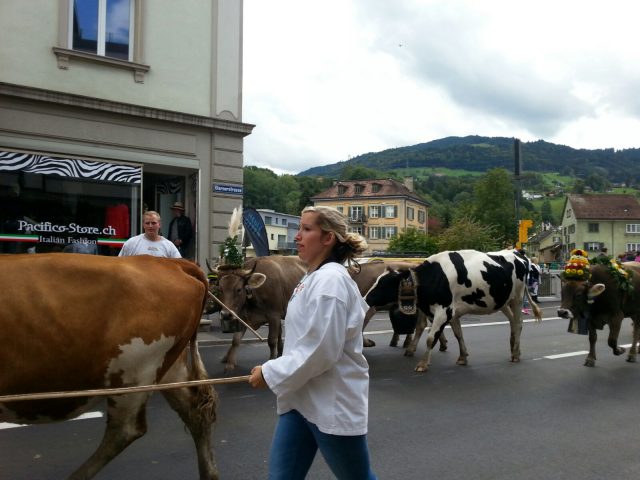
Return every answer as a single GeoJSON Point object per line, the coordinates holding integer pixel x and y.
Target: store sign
{"type": "Point", "coordinates": [63, 234]}
{"type": "Point", "coordinates": [224, 188]}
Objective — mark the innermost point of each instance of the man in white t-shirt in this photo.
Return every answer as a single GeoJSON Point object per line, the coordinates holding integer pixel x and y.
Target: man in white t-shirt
{"type": "Point", "coordinates": [150, 242]}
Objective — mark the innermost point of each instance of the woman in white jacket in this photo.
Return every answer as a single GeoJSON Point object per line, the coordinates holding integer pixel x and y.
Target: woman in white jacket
{"type": "Point", "coordinates": [322, 378]}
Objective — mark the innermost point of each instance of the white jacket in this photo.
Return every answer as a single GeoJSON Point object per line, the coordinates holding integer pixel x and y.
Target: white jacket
{"type": "Point", "coordinates": [322, 372]}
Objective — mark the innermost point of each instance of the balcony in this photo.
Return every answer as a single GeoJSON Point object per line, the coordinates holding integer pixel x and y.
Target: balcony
{"type": "Point", "coordinates": [362, 218]}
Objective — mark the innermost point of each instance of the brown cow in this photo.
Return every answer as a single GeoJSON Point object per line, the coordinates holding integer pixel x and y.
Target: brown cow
{"type": "Point", "coordinates": [599, 302]}
{"type": "Point", "coordinates": [259, 293]}
{"type": "Point", "coordinates": [82, 322]}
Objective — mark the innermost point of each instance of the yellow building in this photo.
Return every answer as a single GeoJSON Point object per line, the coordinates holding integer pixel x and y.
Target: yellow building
{"type": "Point", "coordinates": [377, 209]}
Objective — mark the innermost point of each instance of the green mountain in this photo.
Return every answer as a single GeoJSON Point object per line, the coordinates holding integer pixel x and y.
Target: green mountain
{"type": "Point", "coordinates": [480, 154]}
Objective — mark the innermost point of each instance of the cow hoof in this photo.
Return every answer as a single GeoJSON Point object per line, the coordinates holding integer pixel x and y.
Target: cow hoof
{"type": "Point", "coordinates": [443, 347]}
{"type": "Point", "coordinates": [515, 359]}
{"type": "Point", "coordinates": [619, 351]}
{"type": "Point", "coordinates": [393, 344]}
{"type": "Point", "coordinates": [229, 369]}
{"type": "Point", "coordinates": [589, 362]}
{"type": "Point", "coordinates": [461, 361]}
{"type": "Point", "coordinates": [420, 368]}
{"type": "Point", "coordinates": [368, 343]}
{"type": "Point", "coordinates": [631, 359]}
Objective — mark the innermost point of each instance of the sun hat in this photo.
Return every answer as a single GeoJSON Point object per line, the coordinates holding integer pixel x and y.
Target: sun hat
{"type": "Point", "coordinates": [177, 206]}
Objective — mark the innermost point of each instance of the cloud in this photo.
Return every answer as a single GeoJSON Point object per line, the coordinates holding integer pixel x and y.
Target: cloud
{"type": "Point", "coordinates": [327, 81]}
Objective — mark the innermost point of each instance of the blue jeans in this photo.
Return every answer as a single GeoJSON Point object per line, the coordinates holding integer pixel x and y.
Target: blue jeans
{"type": "Point", "coordinates": [296, 441]}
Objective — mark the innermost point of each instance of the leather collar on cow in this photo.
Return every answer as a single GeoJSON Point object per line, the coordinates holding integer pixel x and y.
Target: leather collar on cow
{"type": "Point", "coordinates": [408, 294]}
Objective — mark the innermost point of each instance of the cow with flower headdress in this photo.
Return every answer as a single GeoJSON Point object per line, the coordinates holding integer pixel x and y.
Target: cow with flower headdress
{"type": "Point", "coordinates": [599, 292]}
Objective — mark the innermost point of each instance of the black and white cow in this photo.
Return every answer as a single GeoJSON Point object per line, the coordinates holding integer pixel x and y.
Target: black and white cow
{"type": "Point", "coordinates": [451, 284]}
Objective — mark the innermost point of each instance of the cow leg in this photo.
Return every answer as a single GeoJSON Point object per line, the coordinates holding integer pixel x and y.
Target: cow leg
{"type": "Point", "coordinates": [367, 342]}
{"type": "Point", "coordinates": [197, 409]}
{"type": "Point", "coordinates": [421, 324]}
{"type": "Point", "coordinates": [230, 358]}
{"type": "Point", "coordinates": [514, 314]}
{"type": "Point", "coordinates": [394, 340]}
{"type": "Point", "coordinates": [614, 333]}
{"type": "Point", "coordinates": [633, 351]}
{"type": "Point", "coordinates": [443, 342]}
{"type": "Point", "coordinates": [126, 422]}
{"type": "Point", "coordinates": [436, 330]}
{"type": "Point", "coordinates": [407, 341]}
{"type": "Point", "coordinates": [273, 337]}
{"type": "Point", "coordinates": [590, 361]}
{"type": "Point", "coordinates": [457, 331]}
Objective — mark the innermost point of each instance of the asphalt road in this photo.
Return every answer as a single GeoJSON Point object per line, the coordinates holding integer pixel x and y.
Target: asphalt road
{"type": "Point", "coordinates": [548, 417]}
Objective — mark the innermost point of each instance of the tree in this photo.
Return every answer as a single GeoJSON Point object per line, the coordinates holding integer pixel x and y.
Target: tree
{"type": "Point", "coordinates": [546, 212]}
{"type": "Point", "coordinates": [467, 232]}
{"type": "Point", "coordinates": [494, 203]}
{"type": "Point", "coordinates": [413, 241]}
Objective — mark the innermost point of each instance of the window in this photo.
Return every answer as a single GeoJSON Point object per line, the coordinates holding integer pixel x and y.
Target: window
{"type": "Point", "coordinates": [594, 227]}
{"type": "Point", "coordinates": [568, 212]}
{"type": "Point", "coordinates": [102, 27]}
{"type": "Point", "coordinates": [375, 233]}
{"type": "Point", "coordinates": [375, 188]}
{"type": "Point", "coordinates": [374, 211]}
{"type": "Point", "coordinates": [267, 220]}
{"type": "Point", "coordinates": [284, 221]}
{"type": "Point", "coordinates": [101, 31]}
{"type": "Point", "coordinates": [572, 229]}
{"type": "Point", "coordinates": [593, 246]}
{"type": "Point", "coordinates": [422, 217]}
{"type": "Point", "coordinates": [342, 189]}
{"type": "Point", "coordinates": [410, 213]}
{"type": "Point", "coordinates": [359, 229]}
{"type": "Point", "coordinates": [340, 209]}
{"type": "Point", "coordinates": [359, 188]}
{"type": "Point", "coordinates": [633, 247]}
{"type": "Point", "coordinates": [390, 232]}
{"type": "Point", "coordinates": [276, 220]}
{"type": "Point", "coordinates": [390, 211]}
{"type": "Point", "coordinates": [633, 228]}
{"type": "Point", "coordinates": [355, 213]}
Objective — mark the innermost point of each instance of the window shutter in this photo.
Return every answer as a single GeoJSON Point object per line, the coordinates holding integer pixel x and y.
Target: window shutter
{"type": "Point", "coordinates": [395, 211]}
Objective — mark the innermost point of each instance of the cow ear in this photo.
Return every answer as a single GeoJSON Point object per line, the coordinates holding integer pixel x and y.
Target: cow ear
{"type": "Point", "coordinates": [596, 290]}
{"type": "Point", "coordinates": [256, 280]}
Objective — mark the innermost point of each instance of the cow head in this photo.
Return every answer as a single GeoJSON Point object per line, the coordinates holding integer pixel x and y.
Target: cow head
{"type": "Point", "coordinates": [385, 289]}
{"type": "Point", "coordinates": [236, 288]}
{"type": "Point", "coordinates": [577, 296]}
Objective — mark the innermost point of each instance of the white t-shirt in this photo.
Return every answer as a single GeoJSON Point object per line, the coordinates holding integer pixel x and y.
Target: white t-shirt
{"type": "Point", "coordinates": [322, 372]}
{"type": "Point", "coordinates": [141, 245]}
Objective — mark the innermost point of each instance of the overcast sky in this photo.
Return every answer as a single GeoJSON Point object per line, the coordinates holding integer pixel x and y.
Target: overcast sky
{"type": "Point", "coordinates": [326, 81]}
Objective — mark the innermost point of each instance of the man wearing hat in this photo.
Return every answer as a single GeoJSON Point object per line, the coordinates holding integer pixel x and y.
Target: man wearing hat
{"type": "Point", "coordinates": [180, 230]}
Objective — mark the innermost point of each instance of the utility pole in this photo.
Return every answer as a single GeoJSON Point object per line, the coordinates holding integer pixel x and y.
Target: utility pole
{"type": "Point", "coordinates": [517, 169]}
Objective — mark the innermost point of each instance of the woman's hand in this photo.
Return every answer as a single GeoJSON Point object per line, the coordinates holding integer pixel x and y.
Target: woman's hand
{"type": "Point", "coordinates": [256, 380]}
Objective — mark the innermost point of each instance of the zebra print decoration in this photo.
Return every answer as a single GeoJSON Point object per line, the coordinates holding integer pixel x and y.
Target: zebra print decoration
{"type": "Point", "coordinates": [67, 167]}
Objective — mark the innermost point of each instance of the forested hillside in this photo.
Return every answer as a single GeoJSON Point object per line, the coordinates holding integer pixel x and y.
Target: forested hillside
{"type": "Point", "coordinates": [480, 154]}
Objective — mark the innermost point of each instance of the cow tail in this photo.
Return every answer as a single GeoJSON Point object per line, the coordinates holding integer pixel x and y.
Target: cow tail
{"type": "Point", "coordinates": [206, 396]}
{"type": "Point", "coordinates": [537, 311]}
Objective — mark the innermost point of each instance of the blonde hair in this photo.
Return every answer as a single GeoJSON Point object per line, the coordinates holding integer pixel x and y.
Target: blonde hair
{"type": "Point", "coordinates": [152, 213]}
{"type": "Point", "coordinates": [349, 245]}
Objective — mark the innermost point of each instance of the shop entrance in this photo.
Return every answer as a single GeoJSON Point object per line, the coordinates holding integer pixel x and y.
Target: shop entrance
{"type": "Point", "coordinates": [162, 190]}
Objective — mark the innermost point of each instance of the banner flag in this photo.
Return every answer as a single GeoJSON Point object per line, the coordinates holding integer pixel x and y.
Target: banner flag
{"type": "Point", "coordinates": [256, 231]}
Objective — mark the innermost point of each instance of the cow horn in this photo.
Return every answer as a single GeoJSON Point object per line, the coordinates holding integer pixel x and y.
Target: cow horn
{"type": "Point", "coordinates": [211, 270]}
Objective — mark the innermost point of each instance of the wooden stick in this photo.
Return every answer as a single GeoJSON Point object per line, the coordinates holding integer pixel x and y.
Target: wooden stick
{"type": "Point", "coordinates": [120, 391]}
{"type": "Point", "coordinates": [236, 316]}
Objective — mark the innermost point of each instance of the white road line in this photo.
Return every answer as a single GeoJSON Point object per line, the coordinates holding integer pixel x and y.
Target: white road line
{"type": "Point", "coordinates": [564, 355]}
{"type": "Point", "coordinates": [468, 325]}
{"type": "Point", "coordinates": [84, 416]}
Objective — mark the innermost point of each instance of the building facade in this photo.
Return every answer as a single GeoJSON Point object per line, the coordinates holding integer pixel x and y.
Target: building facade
{"type": "Point", "coordinates": [111, 108]}
{"type": "Point", "coordinates": [592, 222]}
{"type": "Point", "coordinates": [377, 209]}
{"type": "Point", "coordinates": [281, 232]}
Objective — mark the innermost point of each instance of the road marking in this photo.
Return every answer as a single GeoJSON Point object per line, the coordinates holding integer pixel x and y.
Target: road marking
{"type": "Point", "coordinates": [84, 416]}
{"type": "Point", "coordinates": [467, 325]}
{"type": "Point", "coordinates": [564, 355]}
